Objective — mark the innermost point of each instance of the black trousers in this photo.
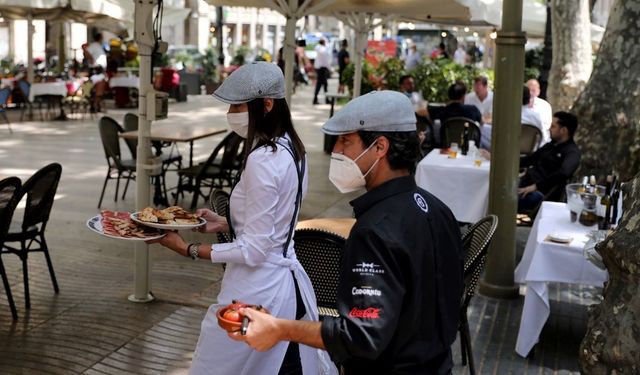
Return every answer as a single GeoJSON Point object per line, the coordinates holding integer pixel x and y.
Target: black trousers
{"type": "Point", "coordinates": [322, 75]}
{"type": "Point", "coordinates": [291, 364]}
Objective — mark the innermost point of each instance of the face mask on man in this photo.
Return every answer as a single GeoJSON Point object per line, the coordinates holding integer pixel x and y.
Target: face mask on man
{"type": "Point", "coordinates": [239, 123]}
{"type": "Point", "coordinates": [345, 174]}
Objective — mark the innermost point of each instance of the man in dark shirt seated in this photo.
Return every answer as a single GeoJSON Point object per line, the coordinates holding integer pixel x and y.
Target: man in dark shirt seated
{"type": "Point", "coordinates": [551, 166]}
{"type": "Point", "coordinates": [400, 281]}
{"type": "Point", "coordinates": [456, 106]}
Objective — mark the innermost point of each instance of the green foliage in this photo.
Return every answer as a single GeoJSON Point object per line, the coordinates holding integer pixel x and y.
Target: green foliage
{"type": "Point", "coordinates": [390, 70]}
{"type": "Point", "coordinates": [210, 65]}
{"type": "Point", "coordinates": [434, 78]}
{"type": "Point", "coordinates": [366, 84]}
{"type": "Point", "coordinates": [240, 56]}
{"type": "Point", "coordinates": [160, 60]}
{"type": "Point", "coordinates": [533, 63]}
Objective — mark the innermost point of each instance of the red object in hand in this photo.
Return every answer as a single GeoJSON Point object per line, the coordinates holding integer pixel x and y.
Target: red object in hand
{"type": "Point", "coordinates": [232, 315]}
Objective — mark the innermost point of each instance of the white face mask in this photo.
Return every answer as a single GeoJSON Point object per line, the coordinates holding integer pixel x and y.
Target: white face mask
{"type": "Point", "coordinates": [345, 174]}
{"type": "Point", "coordinates": [239, 123]}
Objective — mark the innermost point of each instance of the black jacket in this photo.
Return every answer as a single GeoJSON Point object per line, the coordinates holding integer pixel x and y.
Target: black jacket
{"type": "Point", "coordinates": [551, 165]}
{"type": "Point", "coordinates": [400, 285]}
{"type": "Point", "coordinates": [456, 109]}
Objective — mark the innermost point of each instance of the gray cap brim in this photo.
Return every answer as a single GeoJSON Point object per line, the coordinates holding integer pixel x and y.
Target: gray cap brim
{"type": "Point", "coordinates": [377, 111]}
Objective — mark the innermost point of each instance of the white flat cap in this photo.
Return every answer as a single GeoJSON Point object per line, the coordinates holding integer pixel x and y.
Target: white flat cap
{"type": "Point", "coordinates": [251, 81]}
{"type": "Point", "coordinates": [377, 111]}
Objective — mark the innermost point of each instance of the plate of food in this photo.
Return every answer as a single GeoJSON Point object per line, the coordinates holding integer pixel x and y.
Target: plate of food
{"type": "Point", "coordinates": [560, 238]}
{"type": "Point", "coordinates": [118, 225]}
{"type": "Point", "coordinates": [171, 218]}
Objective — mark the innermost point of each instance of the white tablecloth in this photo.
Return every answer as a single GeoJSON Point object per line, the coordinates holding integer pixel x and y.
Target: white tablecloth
{"type": "Point", "coordinates": [124, 81]}
{"type": "Point", "coordinates": [48, 88]}
{"type": "Point", "coordinates": [544, 262]}
{"type": "Point", "coordinates": [456, 182]}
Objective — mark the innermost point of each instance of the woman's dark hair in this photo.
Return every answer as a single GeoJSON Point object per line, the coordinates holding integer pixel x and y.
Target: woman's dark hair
{"type": "Point", "coordinates": [264, 128]}
{"type": "Point", "coordinates": [404, 148]}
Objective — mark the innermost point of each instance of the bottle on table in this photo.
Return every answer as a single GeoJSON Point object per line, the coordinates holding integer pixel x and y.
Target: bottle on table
{"type": "Point", "coordinates": [592, 185]}
{"type": "Point", "coordinates": [604, 211]}
{"type": "Point", "coordinates": [584, 186]}
{"type": "Point", "coordinates": [464, 141]}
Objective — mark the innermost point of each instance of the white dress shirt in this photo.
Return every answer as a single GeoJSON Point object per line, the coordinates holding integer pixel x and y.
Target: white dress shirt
{"type": "Point", "coordinates": [261, 207]}
{"type": "Point", "coordinates": [484, 106]}
{"type": "Point", "coordinates": [544, 110]}
{"type": "Point", "coordinates": [323, 57]}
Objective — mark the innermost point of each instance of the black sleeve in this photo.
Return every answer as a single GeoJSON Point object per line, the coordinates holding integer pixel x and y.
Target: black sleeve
{"type": "Point", "coordinates": [570, 163]}
{"type": "Point", "coordinates": [477, 116]}
{"type": "Point", "coordinates": [371, 290]}
{"type": "Point", "coordinates": [529, 160]}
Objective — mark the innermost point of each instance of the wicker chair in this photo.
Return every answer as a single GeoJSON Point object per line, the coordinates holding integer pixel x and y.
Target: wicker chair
{"type": "Point", "coordinates": [9, 198]}
{"type": "Point", "coordinates": [319, 252]}
{"type": "Point", "coordinates": [452, 130]}
{"type": "Point", "coordinates": [123, 168]}
{"type": "Point", "coordinates": [219, 203]}
{"type": "Point", "coordinates": [40, 190]}
{"type": "Point", "coordinates": [475, 242]}
{"type": "Point", "coordinates": [530, 138]}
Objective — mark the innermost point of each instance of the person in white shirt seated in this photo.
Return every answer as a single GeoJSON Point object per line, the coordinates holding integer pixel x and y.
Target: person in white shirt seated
{"type": "Point", "coordinates": [541, 106]}
{"type": "Point", "coordinates": [481, 97]}
{"type": "Point", "coordinates": [527, 116]}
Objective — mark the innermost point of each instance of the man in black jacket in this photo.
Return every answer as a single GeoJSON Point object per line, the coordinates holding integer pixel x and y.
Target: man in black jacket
{"type": "Point", "coordinates": [401, 273]}
{"type": "Point", "coordinates": [552, 165]}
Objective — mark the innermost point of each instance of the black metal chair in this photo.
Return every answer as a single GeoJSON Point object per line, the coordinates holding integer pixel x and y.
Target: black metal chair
{"type": "Point", "coordinates": [452, 130]}
{"type": "Point", "coordinates": [109, 130]}
{"type": "Point", "coordinates": [213, 173]}
{"type": "Point", "coordinates": [219, 203]}
{"type": "Point", "coordinates": [24, 88]}
{"type": "Point", "coordinates": [40, 190]}
{"type": "Point", "coordinates": [475, 242]}
{"type": "Point", "coordinates": [4, 97]}
{"type": "Point", "coordinates": [131, 124]}
{"type": "Point", "coordinates": [530, 138]}
{"type": "Point", "coordinates": [320, 252]}
{"type": "Point", "coordinates": [9, 198]}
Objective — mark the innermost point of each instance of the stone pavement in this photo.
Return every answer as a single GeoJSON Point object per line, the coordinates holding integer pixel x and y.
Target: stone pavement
{"type": "Point", "coordinates": [90, 326]}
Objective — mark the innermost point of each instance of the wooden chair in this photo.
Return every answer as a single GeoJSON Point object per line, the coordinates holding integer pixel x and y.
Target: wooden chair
{"type": "Point", "coordinates": [475, 242]}
{"type": "Point", "coordinates": [452, 130]}
{"type": "Point", "coordinates": [39, 190]}
{"type": "Point", "coordinates": [530, 138]}
{"type": "Point", "coordinates": [9, 198]}
{"type": "Point", "coordinates": [320, 252]}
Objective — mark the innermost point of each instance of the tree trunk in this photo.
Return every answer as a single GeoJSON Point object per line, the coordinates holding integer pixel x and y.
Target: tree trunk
{"type": "Point", "coordinates": [546, 55]}
{"type": "Point", "coordinates": [571, 66]}
{"type": "Point", "coordinates": [608, 109]}
{"type": "Point", "coordinates": [611, 343]}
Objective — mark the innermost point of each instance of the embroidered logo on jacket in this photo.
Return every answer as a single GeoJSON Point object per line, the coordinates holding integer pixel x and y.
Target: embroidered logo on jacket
{"type": "Point", "coordinates": [421, 202]}
{"type": "Point", "coordinates": [366, 291]}
{"type": "Point", "coordinates": [368, 313]}
{"type": "Point", "coordinates": [367, 269]}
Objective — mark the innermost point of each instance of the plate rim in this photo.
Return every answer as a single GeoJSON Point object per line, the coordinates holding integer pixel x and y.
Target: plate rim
{"type": "Point", "coordinates": [560, 238]}
{"type": "Point", "coordinates": [167, 226]}
{"type": "Point", "coordinates": [99, 218]}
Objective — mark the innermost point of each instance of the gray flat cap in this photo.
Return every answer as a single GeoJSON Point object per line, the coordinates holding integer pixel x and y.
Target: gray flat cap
{"type": "Point", "coordinates": [378, 111]}
{"type": "Point", "coordinates": [251, 81]}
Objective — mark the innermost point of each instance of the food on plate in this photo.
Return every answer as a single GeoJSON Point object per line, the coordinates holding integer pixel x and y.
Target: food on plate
{"type": "Point", "coordinates": [230, 318]}
{"type": "Point", "coordinates": [119, 224]}
{"type": "Point", "coordinates": [169, 215]}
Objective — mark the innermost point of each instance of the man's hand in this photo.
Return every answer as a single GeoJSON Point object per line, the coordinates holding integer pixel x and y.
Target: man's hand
{"type": "Point", "coordinates": [262, 332]}
{"type": "Point", "coordinates": [527, 189]}
{"type": "Point", "coordinates": [215, 222]}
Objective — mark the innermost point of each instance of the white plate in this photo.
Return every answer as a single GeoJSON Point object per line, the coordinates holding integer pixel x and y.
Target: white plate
{"type": "Point", "coordinates": [560, 238]}
{"type": "Point", "coordinates": [95, 224]}
{"type": "Point", "coordinates": [134, 217]}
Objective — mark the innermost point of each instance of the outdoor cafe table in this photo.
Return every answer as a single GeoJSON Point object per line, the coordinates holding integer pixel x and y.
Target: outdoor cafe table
{"type": "Point", "coordinates": [56, 89]}
{"type": "Point", "coordinates": [458, 183]}
{"type": "Point", "coordinates": [124, 81]}
{"type": "Point", "coordinates": [544, 262]}
{"type": "Point", "coordinates": [178, 133]}
{"type": "Point", "coordinates": [340, 226]}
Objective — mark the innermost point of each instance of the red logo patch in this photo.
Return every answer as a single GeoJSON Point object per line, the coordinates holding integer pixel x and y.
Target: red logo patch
{"type": "Point", "coordinates": [368, 313]}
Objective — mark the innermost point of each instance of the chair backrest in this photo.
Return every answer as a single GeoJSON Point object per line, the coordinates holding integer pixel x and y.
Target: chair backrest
{"type": "Point", "coordinates": [231, 146]}
{"type": "Point", "coordinates": [25, 88]}
{"type": "Point", "coordinates": [40, 190]}
{"type": "Point", "coordinates": [320, 252]}
{"type": "Point", "coordinates": [86, 89]}
{"type": "Point", "coordinates": [9, 198]}
{"type": "Point", "coordinates": [453, 128]}
{"type": "Point", "coordinates": [4, 96]}
{"type": "Point", "coordinates": [530, 138]}
{"type": "Point", "coordinates": [219, 203]}
{"type": "Point", "coordinates": [131, 124]}
{"type": "Point", "coordinates": [109, 130]}
{"type": "Point", "coordinates": [475, 242]}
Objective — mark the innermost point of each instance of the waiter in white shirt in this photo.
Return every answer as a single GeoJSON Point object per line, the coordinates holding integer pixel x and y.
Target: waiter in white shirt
{"type": "Point", "coordinates": [481, 97]}
{"type": "Point", "coordinates": [322, 65]}
{"type": "Point", "coordinates": [541, 106]}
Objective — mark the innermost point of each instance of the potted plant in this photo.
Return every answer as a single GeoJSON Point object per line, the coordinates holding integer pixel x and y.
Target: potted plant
{"type": "Point", "coordinates": [210, 70]}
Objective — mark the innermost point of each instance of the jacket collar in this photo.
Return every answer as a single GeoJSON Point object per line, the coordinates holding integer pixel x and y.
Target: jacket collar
{"type": "Point", "coordinates": [392, 187]}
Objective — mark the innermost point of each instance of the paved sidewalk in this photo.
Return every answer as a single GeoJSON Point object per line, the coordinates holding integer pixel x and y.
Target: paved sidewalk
{"type": "Point", "coordinates": [91, 327]}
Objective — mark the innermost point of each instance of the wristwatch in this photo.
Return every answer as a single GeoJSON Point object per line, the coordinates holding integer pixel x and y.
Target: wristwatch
{"type": "Point", "coordinates": [193, 250]}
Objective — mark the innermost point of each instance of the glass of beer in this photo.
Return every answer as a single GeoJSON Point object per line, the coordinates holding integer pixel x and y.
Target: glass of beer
{"type": "Point", "coordinates": [453, 150]}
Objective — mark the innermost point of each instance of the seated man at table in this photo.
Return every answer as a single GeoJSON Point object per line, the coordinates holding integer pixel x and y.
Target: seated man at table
{"type": "Point", "coordinates": [408, 88]}
{"type": "Point", "coordinates": [401, 274]}
{"type": "Point", "coordinates": [481, 97]}
{"type": "Point", "coordinates": [551, 166]}
{"type": "Point", "coordinates": [457, 108]}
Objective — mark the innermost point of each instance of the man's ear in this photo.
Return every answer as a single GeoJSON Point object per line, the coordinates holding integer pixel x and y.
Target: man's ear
{"type": "Point", "coordinates": [382, 146]}
{"type": "Point", "coordinates": [268, 105]}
